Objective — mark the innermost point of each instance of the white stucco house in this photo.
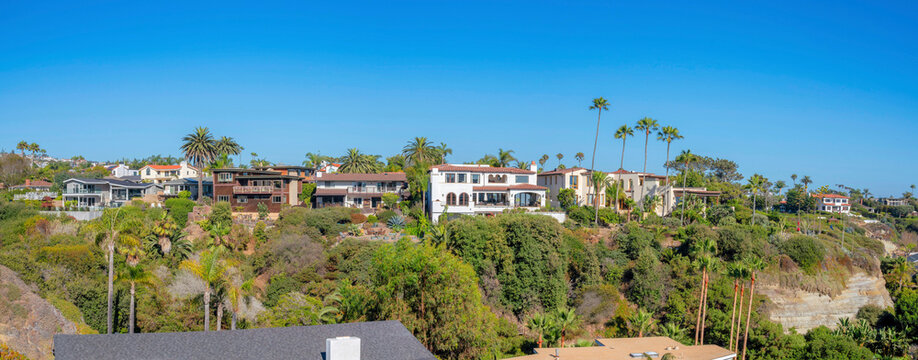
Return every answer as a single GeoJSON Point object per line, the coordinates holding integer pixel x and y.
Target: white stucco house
{"type": "Point", "coordinates": [576, 178]}
{"type": "Point", "coordinates": [363, 191]}
{"type": "Point", "coordinates": [482, 189]}
{"type": "Point", "coordinates": [161, 173]}
{"type": "Point", "coordinates": [833, 203]}
{"type": "Point", "coordinates": [121, 170]}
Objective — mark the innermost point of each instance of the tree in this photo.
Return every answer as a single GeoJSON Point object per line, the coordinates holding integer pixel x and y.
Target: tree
{"type": "Point", "coordinates": [22, 146]}
{"type": "Point", "coordinates": [735, 271]}
{"type": "Point", "coordinates": [599, 104]}
{"type": "Point", "coordinates": [112, 221]}
{"type": "Point", "coordinates": [566, 320]}
{"type": "Point", "coordinates": [780, 185]}
{"type": "Point", "coordinates": [505, 157]}
{"type": "Point", "coordinates": [444, 151]}
{"type": "Point", "coordinates": [227, 146]}
{"type": "Point", "coordinates": [623, 133]}
{"type": "Point", "coordinates": [200, 149]}
{"type": "Point", "coordinates": [755, 184]}
{"type": "Point", "coordinates": [645, 125]}
{"type": "Point", "coordinates": [298, 309]}
{"type": "Point", "coordinates": [673, 331]}
{"type": "Point", "coordinates": [703, 249]}
{"type": "Point", "coordinates": [543, 160]}
{"type": "Point", "coordinates": [579, 156]}
{"type": "Point", "coordinates": [355, 162]}
{"type": "Point", "coordinates": [567, 198]}
{"type": "Point", "coordinates": [306, 193]}
{"type": "Point", "coordinates": [793, 178]}
{"type": "Point", "coordinates": [313, 160]}
{"type": "Point", "coordinates": [600, 181]}
{"type": "Point", "coordinates": [686, 157]}
{"type": "Point", "coordinates": [420, 150]}
{"type": "Point", "coordinates": [541, 324]}
{"type": "Point", "coordinates": [806, 184]}
{"type": "Point", "coordinates": [134, 276]}
{"type": "Point", "coordinates": [211, 268]}
{"type": "Point", "coordinates": [641, 322]}
{"type": "Point", "coordinates": [753, 264]}
{"type": "Point", "coordinates": [559, 156]}
{"type": "Point", "coordinates": [668, 134]}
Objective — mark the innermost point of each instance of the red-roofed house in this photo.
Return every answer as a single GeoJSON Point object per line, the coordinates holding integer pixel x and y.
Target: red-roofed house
{"type": "Point", "coordinates": [482, 189]}
{"type": "Point", "coordinates": [833, 203]}
{"type": "Point", "coordinates": [162, 173]}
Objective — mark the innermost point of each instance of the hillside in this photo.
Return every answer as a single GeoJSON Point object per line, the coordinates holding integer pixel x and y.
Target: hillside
{"type": "Point", "coordinates": [28, 322]}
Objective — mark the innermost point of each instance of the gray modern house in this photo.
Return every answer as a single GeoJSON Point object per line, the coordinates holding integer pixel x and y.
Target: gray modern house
{"type": "Point", "coordinates": [379, 340]}
{"type": "Point", "coordinates": [172, 188]}
{"type": "Point", "coordinates": [104, 192]}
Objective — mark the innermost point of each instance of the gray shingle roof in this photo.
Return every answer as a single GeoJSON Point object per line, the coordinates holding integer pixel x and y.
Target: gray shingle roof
{"type": "Point", "coordinates": [380, 340]}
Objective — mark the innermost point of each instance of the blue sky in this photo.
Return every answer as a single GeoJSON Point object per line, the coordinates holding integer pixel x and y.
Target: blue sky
{"type": "Point", "coordinates": [827, 89]}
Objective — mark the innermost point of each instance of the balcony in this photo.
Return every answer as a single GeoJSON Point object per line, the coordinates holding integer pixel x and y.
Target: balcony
{"type": "Point", "coordinates": [82, 192]}
{"type": "Point", "coordinates": [254, 189]}
{"type": "Point", "coordinates": [373, 189]}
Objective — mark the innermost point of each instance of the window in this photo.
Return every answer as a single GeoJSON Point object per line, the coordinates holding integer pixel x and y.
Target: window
{"type": "Point", "coordinates": [277, 199]}
{"type": "Point", "coordinates": [450, 199]}
{"type": "Point", "coordinates": [464, 199]}
{"type": "Point", "coordinates": [476, 178]}
{"type": "Point", "coordinates": [450, 178]}
{"type": "Point", "coordinates": [358, 201]}
{"type": "Point", "coordinates": [461, 178]}
{"type": "Point", "coordinates": [223, 198]}
{"type": "Point", "coordinates": [242, 199]}
{"type": "Point", "coordinates": [225, 177]}
{"type": "Point", "coordinates": [574, 182]}
{"type": "Point", "coordinates": [148, 171]}
{"type": "Point", "coordinates": [522, 179]}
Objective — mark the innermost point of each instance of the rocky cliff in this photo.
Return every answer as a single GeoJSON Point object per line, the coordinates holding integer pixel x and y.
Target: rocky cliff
{"type": "Point", "coordinates": [28, 322]}
{"type": "Point", "coordinates": [805, 310]}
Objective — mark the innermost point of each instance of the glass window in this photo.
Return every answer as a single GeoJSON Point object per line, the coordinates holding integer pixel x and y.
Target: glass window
{"type": "Point", "coordinates": [450, 199]}
{"type": "Point", "coordinates": [463, 199]}
{"type": "Point", "coordinates": [450, 178]}
{"type": "Point", "coordinates": [223, 198]}
{"type": "Point", "coordinates": [476, 178]}
{"type": "Point", "coordinates": [277, 199]}
{"type": "Point", "coordinates": [522, 179]}
{"type": "Point", "coordinates": [461, 178]}
{"type": "Point", "coordinates": [225, 177]}
{"type": "Point", "coordinates": [242, 199]}
{"type": "Point", "coordinates": [574, 181]}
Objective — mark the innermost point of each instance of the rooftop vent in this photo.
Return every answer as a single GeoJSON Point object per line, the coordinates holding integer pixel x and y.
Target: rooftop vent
{"type": "Point", "coordinates": [342, 348]}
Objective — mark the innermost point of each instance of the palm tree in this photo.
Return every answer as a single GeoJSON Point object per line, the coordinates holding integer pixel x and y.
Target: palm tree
{"type": "Point", "coordinates": [200, 149]}
{"type": "Point", "coordinates": [600, 181]}
{"type": "Point", "coordinates": [314, 160]}
{"type": "Point", "coordinates": [112, 221]}
{"type": "Point", "coordinates": [735, 271]}
{"type": "Point", "coordinates": [599, 104]}
{"type": "Point", "coordinates": [228, 146]}
{"type": "Point", "coordinates": [34, 148]}
{"type": "Point", "coordinates": [703, 249]}
{"type": "Point", "coordinates": [163, 230]}
{"type": "Point", "coordinates": [753, 264]}
{"type": "Point", "coordinates": [559, 156]}
{"type": "Point", "coordinates": [806, 184]}
{"type": "Point", "coordinates": [540, 323]}
{"type": "Point", "coordinates": [22, 146]}
{"type": "Point", "coordinates": [133, 276]}
{"type": "Point", "coordinates": [355, 162]}
{"type": "Point", "coordinates": [543, 160]}
{"type": "Point", "coordinates": [579, 156]}
{"type": "Point", "coordinates": [645, 125]}
{"type": "Point", "coordinates": [623, 133]}
{"type": "Point", "coordinates": [505, 157]}
{"type": "Point", "coordinates": [444, 151]}
{"type": "Point", "coordinates": [754, 184]}
{"type": "Point", "coordinates": [685, 157]}
{"type": "Point", "coordinates": [780, 185]}
{"type": "Point", "coordinates": [420, 151]}
{"type": "Point", "coordinates": [672, 330]}
{"type": "Point", "coordinates": [641, 321]}
{"type": "Point", "coordinates": [566, 321]}
{"type": "Point", "coordinates": [668, 134]}
{"type": "Point", "coordinates": [210, 268]}
{"type": "Point", "coordinates": [793, 178]}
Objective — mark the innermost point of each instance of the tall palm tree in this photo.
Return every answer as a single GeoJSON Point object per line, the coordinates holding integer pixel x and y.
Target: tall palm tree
{"type": "Point", "coordinates": [793, 178]}
{"type": "Point", "coordinates": [111, 223]}
{"type": "Point", "coordinates": [22, 146]}
{"type": "Point", "coordinates": [600, 181]}
{"type": "Point", "coordinates": [623, 133]}
{"type": "Point", "coordinates": [566, 321]}
{"type": "Point", "coordinates": [686, 157]}
{"type": "Point", "coordinates": [200, 149]}
{"type": "Point", "coordinates": [641, 321]}
{"type": "Point", "coordinates": [599, 104]}
{"type": "Point", "coordinates": [505, 157]}
{"type": "Point", "coordinates": [314, 160]}
{"type": "Point", "coordinates": [540, 323]}
{"type": "Point", "coordinates": [579, 156]}
{"type": "Point", "coordinates": [420, 151]}
{"type": "Point", "coordinates": [703, 250]}
{"type": "Point", "coordinates": [543, 160]}
{"type": "Point", "coordinates": [355, 162]}
{"type": "Point", "coordinates": [735, 271]}
{"type": "Point", "coordinates": [559, 156]}
{"type": "Point", "coordinates": [444, 151]}
{"type": "Point", "coordinates": [753, 264]}
{"type": "Point", "coordinates": [754, 184]}
{"type": "Point", "coordinates": [806, 181]}
{"type": "Point", "coordinates": [228, 146]}
{"type": "Point", "coordinates": [163, 230]}
{"type": "Point", "coordinates": [211, 268]}
{"type": "Point", "coordinates": [668, 134]}
{"type": "Point", "coordinates": [780, 185]}
{"type": "Point", "coordinates": [645, 125]}
{"type": "Point", "coordinates": [134, 276]}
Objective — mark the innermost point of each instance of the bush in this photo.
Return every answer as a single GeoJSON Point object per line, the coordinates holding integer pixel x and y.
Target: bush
{"type": "Point", "coordinates": [607, 216]}
{"type": "Point", "coordinates": [390, 200]}
{"type": "Point", "coordinates": [582, 215]}
{"type": "Point", "coordinates": [804, 250]}
{"type": "Point", "coordinates": [633, 239]}
{"type": "Point", "coordinates": [372, 219]}
{"type": "Point", "coordinates": [328, 221]}
{"type": "Point", "coordinates": [358, 218]}
{"type": "Point", "coordinates": [179, 209]}
{"type": "Point", "coordinates": [721, 215]}
{"type": "Point", "coordinates": [184, 194]}
{"type": "Point", "coordinates": [567, 198]}
{"type": "Point", "coordinates": [385, 215]}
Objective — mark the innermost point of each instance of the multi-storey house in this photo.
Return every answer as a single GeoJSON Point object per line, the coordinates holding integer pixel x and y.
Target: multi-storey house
{"type": "Point", "coordinates": [358, 190]}
{"type": "Point", "coordinates": [482, 189]}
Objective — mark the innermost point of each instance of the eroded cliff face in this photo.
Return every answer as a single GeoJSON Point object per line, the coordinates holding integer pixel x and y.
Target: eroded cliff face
{"type": "Point", "coordinates": [28, 322]}
{"type": "Point", "coordinates": [805, 310]}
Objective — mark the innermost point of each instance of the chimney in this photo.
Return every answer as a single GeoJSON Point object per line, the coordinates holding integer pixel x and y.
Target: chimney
{"type": "Point", "coordinates": [532, 167]}
{"type": "Point", "coordinates": [342, 348]}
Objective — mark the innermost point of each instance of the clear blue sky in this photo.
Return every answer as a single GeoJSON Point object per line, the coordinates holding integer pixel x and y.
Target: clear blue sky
{"type": "Point", "coordinates": [826, 89]}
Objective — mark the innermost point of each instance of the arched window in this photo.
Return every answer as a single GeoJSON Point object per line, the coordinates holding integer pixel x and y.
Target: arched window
{"type": "Point", "coordinates": [463, 199]}
{"type": "Point", "coordinates": [450, 199]}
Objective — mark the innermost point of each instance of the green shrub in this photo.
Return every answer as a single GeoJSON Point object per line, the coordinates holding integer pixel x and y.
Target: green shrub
{"type": "Point", "coordinates": [385, 215]}
{"type": "Point", "coordinates": [372, 219]}
{"type": "Point", "coordinates": [804, 250]}
{"type": "Point", "coordinates": [184, 194]}
{"type": "Point", "coordinates": [179, 209]}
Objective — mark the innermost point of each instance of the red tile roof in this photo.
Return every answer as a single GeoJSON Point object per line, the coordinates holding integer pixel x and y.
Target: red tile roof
{"type": "Point", "coordinates": [509, 187]}
{"type": "Point", "coordinates": [386, 176]}
{"type": "Point", "coordinates": [481, 169]}
{"type": "Point", "coordinates": [164, 167]}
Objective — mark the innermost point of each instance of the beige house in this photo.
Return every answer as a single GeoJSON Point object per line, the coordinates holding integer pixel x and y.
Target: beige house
{"type": "Point", "coordinates": [161, 173]}
{"type": "Point", "coordinates": [654, 347]}
{"type": "Point", "coordinates": [576, 178]}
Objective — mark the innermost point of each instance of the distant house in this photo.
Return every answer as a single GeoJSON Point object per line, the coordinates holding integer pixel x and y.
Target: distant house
{"type": "Point", "coordinates": [105, 192]}
{"type": "Point", "coordinates": [482, 189]}
{"type": "Point", "coordinates": [172, 188]}
{"type": "Point", "coordinates": [306, 173]}
{"type": "Point", "coordinates": [121, 170]}
{"type": "Point", "coordinates": [34, 190]}
{"type": "Point", "coordinates": [328, 167]}
{"type": "Point", "coordinates": [33, 185]}
{"type": "Point", "coordinates": [358, 190]}
{"type": "Point", "coordinates": [162, 173]}
{"type": "Point", "coordinates": [244, 189]}
{"type": "Point", "coordinates": [833, 203]}
{"type": "Point", "coordinates": [576, 178]}
{"type": "Point", "coordinates": [893, 201]}
{"type": "Point", "coordinates": [379, 340]}
{"type": "Point", "coordinates": [652, 347]}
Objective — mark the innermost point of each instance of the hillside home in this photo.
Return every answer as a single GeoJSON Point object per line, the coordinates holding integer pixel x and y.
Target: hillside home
{"type": "Point", "coordinates": [244, 189]}
{"type": "Point", "coordinates": [162, 173]}
{"type": "Point", "coordinates": [893, 201]}
{"type": "Point", "coordinates": [833, 203]}
{"type": "Point", "coordinates": [105, 192]}
{"type": "Point", "coordinates": [358, 190]}
{"type": "Point", "coordinates": [650, 347]}
{"type": "Point", "coordinates": [121, 170]}
{"type": "Point", "coordinates": [33, 185]}
{"type": "Point", "coordinates": [576, 178]}
{"type": "Point", "coordinates": [328, 167]}
{"type": "Point", "coordinates": [482, 190]}
{"type": "Point", "coordinates": [305, 173]}
{"type": "Point", "coordinates": [172, 188]}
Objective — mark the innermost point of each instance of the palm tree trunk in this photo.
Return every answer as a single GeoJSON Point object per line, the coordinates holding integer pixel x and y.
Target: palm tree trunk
{"type": "Point", "coordinates": [704, 309]}
{"type": "Point", "coordinates": [207, 308]}
{"type": "Point", "coordinates": [200, 183]}
{"type": "Point", "coordinates": [753, 207]}
{"type": "Point", "coordinates": [646, 143]}
{"type": "Point", "coordinates": [700, 303]}
{"type": "Point", "coordinates": [596, 206]}
{"type": "Point", "coordinates": [131, 318]}
{"type": "Point", "coordinates": [739, 318]}
{"type": "Point", "coordinates": [621, 166]}
{"type": "Point", "coordinates": [733, 312]}
{"type": "Point", "coordinates": [111, 279]}
{"type": "Point", "coordinates": [233, 321]}
{"type": "Point", "coordinates": [749, 315]}
{"type": "Point", "coordinates": [666, 165]}
{"type": "Point", "coordinates": [593, 167]}
{"type": "Point", "coordinates": [219, 315]}
{"type": "Point", "coordinates": [684, 178]}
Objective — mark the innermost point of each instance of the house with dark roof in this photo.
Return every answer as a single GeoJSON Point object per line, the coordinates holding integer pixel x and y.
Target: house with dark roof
{"type": "Point", "coordinates": [172, 188]}
{"type": "Point", "coordinates": [482, 190]}
{"type": "Point", "coordinates": [363, 191]}
{"type": "Point", "coordinates": [105, 192]}
{"type": "Point", "coordinates": [379, 340]}
{"type": "Point", "coordinates": [244, 189]}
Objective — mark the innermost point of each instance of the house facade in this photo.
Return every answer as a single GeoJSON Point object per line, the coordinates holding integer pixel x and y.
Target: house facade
{"type": "Point", "coordinates": [833, 203]}
{"type": "Point", "coordinates": [576, 178]}
{"type": "Point", "coordinates": [894, 202]}
{"type": "Point", "coordinates": [121, 170]}
{"type": "Point", "coordinates": [105, 192]}
{"type": "Point", "coordinates": [172, 188]}
{"type": "Point", "coordinates": [363, 191]}
{"type": "Point", "coordinates": [33, 185]}
{"type": "Point", "coordinates": [482, 189]}
{"type": "Point", "coordinates": [162, 173]}
{"type": "Point", "coordinates": [244, 189]}
{"type": "Point", "coordinates": [327, 167]}
{"type": "Point", "coordinates": [305, 173]}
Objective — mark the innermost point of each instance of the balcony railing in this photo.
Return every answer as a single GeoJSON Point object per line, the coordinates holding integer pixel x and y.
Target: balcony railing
{"type": "Point", "coordinates": [373, 189]}
{"type": "Point", "coordinates": [81, 191]}
{"type": "Point", "coordinates": [254, 189]}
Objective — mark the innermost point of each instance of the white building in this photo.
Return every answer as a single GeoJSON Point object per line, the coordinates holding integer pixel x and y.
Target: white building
{"type": "Point", "coordinates": [363, 191]}
{"type": "Point", "coordinates": [482, 189]}
{"type": "Point", "coordinates": [162, 173]}
{"type": "Point", "coordinates": [121, 170]}
{"type": "Point", "coordinates": [326, 167]}
{"type": "Point", "coordinates": [833, 203]}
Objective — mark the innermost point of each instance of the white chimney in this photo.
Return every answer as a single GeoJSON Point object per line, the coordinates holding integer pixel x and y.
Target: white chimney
{"type": "Point", "coordinates": [342, 348]}
{"type": "Point", "coordinates": [532, 167]}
